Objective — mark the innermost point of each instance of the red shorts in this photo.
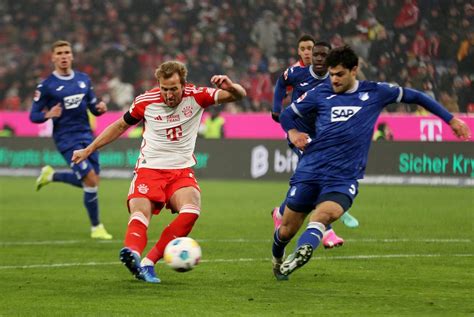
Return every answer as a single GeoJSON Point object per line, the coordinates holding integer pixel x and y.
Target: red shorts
{"type": "Point", "coordinates": [159, 185]}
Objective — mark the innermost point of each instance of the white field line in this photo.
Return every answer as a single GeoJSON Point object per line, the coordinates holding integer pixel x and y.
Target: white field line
{"type": "Point", "coordinates": [65, 242]}
{"type": "Point", "coordinates": [348, 257]}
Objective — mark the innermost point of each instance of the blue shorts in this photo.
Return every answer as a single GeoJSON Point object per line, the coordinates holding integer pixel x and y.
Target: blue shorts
{"type": "Point", "coordinates": [304, 197]}
{"type": "Point", "coordinates": [81, 170]}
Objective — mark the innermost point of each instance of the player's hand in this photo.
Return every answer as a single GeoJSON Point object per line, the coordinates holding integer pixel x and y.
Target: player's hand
{"type": "Point", "coordinates": [460, 128]}
{"type": "Point", "coordinates": [101, 107]}
{"type": "Point", "coordinates": [299, 139]}
{"type": "Point", "coordinates": [222, 82]}
{"type": "Point", "coordinates": [276, 116]}
{"type": "Point", "coordinates": [54, 112]}
{"type": "Point", "coordinates": [79, 155]}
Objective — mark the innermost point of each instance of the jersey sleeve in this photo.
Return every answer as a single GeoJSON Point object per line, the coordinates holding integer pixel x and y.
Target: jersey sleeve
{"type": "Point", "coordinates": [137, 109]}
{"type": "Point", "coordinates": [40, 103]}
{"type": "Point", "coordinates": [206, 96]}
{"type": "Point", "coordinates": [304, 106]}
{"type": "Point", "coordinates": [389, 93]}
{"type": "Point", "coordinates": [279, 94]}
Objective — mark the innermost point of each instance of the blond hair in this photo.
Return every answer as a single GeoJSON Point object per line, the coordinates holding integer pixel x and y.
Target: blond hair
{"type": "Point", "coordinates": [59, 44]}
{"type": "Point", "coordinates": [168, 69]}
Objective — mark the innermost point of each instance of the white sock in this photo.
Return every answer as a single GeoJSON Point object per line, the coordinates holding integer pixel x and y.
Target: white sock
{"type": "Point", "coordinates": [147, 262]}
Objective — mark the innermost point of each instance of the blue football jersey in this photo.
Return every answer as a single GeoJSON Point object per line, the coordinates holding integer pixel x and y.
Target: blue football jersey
{"type": "Point", "coordinates": [75, 94]}
{"type": "Point", "coordinates": [344, 127]}
{"type": "Point", "coordinates": [301, 79]}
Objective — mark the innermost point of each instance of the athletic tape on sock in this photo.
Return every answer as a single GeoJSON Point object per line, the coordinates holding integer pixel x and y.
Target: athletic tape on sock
{"type": "Point", "coordinates": [90, 189]}
{"type": "Point", "coordinates": [190, 209]}
{"type": "Point", "coordinates": [140, 217]}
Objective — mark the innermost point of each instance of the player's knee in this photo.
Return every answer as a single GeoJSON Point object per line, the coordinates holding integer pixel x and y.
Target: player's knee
{"type": "Point", "coordinates": [286, 232]}
{"type": "Point", "coordinates": [91, 179]}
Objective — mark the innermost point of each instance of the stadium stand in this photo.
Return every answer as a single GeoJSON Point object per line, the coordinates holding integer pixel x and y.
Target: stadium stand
{"type": "Point", "coordinates": [426, 44]}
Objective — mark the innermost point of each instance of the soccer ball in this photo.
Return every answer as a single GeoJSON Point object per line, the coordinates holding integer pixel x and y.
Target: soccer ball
{"type": "Point", "coordinates": [182, 254]}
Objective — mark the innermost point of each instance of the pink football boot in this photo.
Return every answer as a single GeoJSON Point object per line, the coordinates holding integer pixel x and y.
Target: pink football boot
{"type": "Point", "coordinates": [276, 217]}
{"type": "Point", "coordinates": [331, 240]}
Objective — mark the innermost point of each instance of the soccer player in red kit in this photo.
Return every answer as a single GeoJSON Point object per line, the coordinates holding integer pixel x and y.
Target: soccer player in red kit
{"type": "Point", "coordinates": [163, 175]}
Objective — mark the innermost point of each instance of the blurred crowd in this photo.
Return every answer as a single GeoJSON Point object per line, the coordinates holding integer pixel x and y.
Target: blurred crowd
{"type": "Point", "coordinates": [424, 44]}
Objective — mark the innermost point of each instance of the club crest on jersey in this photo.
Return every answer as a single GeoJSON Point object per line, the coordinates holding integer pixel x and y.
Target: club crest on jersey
{"type": "Point", "coordinates": [37, 95]}
{"type": "Point", "coordinates": [81, 84]}
{"type": "Point", "coordinates": [343, 113]}
{"type": "Point", "coordinates": [301, 97]}
{"type": "Point", "coordinates": [363, 96]}
{"type": "Point", "coordinates": [188, 111]}
{"type": "Point", "coordinates": [71, 102]}
{"type": "Point", "coordinates": [142, 189]}
{"type": "Point", "coordinates": [172, 118]}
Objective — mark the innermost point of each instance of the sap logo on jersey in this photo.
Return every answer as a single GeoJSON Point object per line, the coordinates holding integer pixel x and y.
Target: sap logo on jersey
{"type": "Point", "coordinates": [71, 102]}
{"type": "Point", "coordinates": [343, 113]}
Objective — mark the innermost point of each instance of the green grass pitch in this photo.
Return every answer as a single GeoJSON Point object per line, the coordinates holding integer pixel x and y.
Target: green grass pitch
{"type": "Point", "coordinates": [411, 255]}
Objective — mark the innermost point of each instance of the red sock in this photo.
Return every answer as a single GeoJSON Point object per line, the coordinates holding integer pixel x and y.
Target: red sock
{"type": "Point", "coordinates": [180, 227]}
{"type": "Point", "coordinates": [136, 237]}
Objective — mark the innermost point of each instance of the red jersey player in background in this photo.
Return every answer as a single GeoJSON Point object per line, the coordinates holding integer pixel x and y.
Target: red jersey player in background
{"type": "Point", "coordinates": [163, 175]}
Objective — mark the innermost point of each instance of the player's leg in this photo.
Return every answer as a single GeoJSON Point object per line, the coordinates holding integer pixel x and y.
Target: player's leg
{"type": "Point", "coordinates": [331, 202]}
{"type": "Point", "coordinates": [88, 172]}
{"type": "Point", "coordinates": [136, 238]}
{"type": "Point", "coordinates": [90, 186]}
{"type": "Point", "coordinates": [291, 223]}
{"type": "Point", "coordinates": [324, 214]}
{"type": "Point", "coordinates": [186, 201]}
{"type": "Point", "coordinates": [182, 196]}
{"type": "Point", "coordinates": [48, 175]}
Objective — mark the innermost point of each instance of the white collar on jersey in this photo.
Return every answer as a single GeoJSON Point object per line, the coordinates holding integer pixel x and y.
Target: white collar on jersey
{"type": "Point", "coordinates": [317, 76]}
{"type": "Point", "coordinates": [353, 89]}
{"type": "Point", "coordinates": [70, 76]}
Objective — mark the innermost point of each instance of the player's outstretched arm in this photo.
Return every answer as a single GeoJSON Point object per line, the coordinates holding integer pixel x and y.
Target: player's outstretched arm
{"type": "Point", "coordinates": [111, 133]}
{"type": "Point", "coordinates": [230, 91]}
{"type": "Point", "coordinates": [460, 128]}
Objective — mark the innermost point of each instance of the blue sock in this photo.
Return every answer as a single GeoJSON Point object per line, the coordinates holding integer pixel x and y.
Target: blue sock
{"type": "Point", "coordinates": [278, 248]}
{"type": "Point", "coordinates": [67, 177]}
{"type": "Point", "coordinates": [282, 208]}
{"type": "Point", "coordinates": [328, 227]}
{"type": "Point", "coordinates": [91, 202]}
{"type": "Point", "coordinates": [312, 235]}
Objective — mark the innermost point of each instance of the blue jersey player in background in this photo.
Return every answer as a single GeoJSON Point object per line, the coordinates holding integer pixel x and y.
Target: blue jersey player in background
{"type": "Point", "coordinates": [325, 182]}
{"type": "Point", "coordinates": [303, 79]}
{"type": "Point", "coordinates": [65, 96]}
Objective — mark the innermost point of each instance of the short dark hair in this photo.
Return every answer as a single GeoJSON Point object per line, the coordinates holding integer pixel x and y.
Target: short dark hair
{"type": "Point", "coordinates": [323, 43]}
{"type": "Point", "coordinates": [306, 37]}
{"type": "Point", "coordinates": [344, 56]}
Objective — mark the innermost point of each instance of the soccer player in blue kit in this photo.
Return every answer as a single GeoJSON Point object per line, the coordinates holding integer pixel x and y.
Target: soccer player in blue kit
{"type": "Point", "coordinates": [65, 96]}
{"type": "Point", "coordinates": [302, 79]}
{"type": "Point", "coordinates": [325, 182]}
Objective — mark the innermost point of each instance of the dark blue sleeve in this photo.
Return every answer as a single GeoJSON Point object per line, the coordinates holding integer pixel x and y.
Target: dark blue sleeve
{"type": "Point", "coordinates": [305, 106]}
{"type": "Point", "coordinates": [92, 99]}
{"type": "Point", "coordinates": [389, 93]}
{"type": "Point", "coordinates": [279, 94]}
{"type": "Point", "coordinates": [422, 99]}
{"type": "Point", "coordinates": [40, 102]}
